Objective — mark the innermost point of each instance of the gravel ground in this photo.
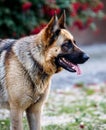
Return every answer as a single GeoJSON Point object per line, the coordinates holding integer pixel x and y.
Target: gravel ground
{"type": "Point", "coordinates": [88, 103]}
{"type": "Point", "coordinates": [93, 71]}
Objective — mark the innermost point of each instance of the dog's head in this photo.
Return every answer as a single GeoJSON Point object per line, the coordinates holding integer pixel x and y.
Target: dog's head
{"type": "Point", "coordinates": [61, 50]}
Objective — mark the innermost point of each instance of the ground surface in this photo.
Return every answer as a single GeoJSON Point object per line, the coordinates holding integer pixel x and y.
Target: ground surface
{"type": "Point", "coordinates": [82, 107]}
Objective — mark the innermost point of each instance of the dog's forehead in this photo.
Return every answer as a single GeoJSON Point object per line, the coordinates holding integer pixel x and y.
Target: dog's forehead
{"type": "Point", "coordinates": [64, 35]}
{"type": "Point", "coordinates": [67, 34]}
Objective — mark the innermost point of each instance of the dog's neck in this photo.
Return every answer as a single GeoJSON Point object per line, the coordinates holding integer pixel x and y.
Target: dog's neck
{"type": "Point", "coordinates": [30, 63]}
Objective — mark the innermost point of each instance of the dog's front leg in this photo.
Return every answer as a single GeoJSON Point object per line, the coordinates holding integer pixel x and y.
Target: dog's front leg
{"type": "Point", "coordinates": [34, 117]}
{"type": "Point", "coordinates": [16, 119]}
{"type": "Point", "coordinates": [34, 113]}
{"type": "Point", "coordinates": [35, 110]}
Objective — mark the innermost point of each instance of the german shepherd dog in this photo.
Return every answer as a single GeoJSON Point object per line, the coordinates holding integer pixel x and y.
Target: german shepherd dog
{"type": "Point", "coordinates": [26, 67]}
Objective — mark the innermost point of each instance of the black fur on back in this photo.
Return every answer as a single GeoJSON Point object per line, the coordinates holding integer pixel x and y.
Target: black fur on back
{"type": "Point", "coordinates": [6, 44]}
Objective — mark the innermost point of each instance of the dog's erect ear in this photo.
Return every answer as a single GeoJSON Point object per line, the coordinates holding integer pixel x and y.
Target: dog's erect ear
{"type": "Point", "coordinates": [62, 20]}
{"type": "Point", "coordinates": [53, 24]}
{"type": "Point", "coordinates": [52, 30]}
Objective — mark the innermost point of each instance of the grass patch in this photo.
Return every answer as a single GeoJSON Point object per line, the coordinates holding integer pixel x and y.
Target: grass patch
{"type": "Point", "coordinates": [85, 108]}
{"type": "Point", "coordinates": [75, 126]}
{"type": "Point", "coordinates": [4, 124]}
{"type": "Point", "coordinates": [62, 127]}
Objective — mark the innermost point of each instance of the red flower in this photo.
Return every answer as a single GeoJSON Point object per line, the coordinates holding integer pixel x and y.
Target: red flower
{"type": "Point", "coordinates": [26, 6]}
{"type": "Point", "coordinates": [38, 29]}
{"type": "Point", "coordinates": [51, 11]}
{"type": "Point", "coordinates": [100, 6]}
{"type": "Point", "coordinates": [73, 14]}
{"type": "Point", "coordinates": [84, 6]}
{"type": "Point", "coordinates": [35, 30]}
{"type": "Point", "coordinates": [89, 21]}
{"type": "Point", "coordinates": [79, 24]}
{"type": "Point", "coordinates": [57, 11]}
{"type": "Point", "coordinates": [76, 6]}
{"type": "Point", "coordinates": [43, 25]}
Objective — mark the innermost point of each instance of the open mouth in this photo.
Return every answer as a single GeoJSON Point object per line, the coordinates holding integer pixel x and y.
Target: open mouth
{"type": "Point", "coordinates": [66, 64]}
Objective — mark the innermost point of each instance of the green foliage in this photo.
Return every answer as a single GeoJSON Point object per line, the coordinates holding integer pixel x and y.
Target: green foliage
{"type": "Point", "coordinates": [24, 17]}
{"type": "Point", "coordinates": [4, 124]}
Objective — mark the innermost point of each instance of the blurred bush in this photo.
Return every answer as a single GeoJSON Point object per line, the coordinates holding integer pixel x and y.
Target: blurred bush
{"type": "Point", "coordinates": [22, 17]}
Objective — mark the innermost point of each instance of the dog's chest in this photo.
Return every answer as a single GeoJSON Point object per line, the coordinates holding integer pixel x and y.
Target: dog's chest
{"type": "Point", "coordinates": [32, 97]}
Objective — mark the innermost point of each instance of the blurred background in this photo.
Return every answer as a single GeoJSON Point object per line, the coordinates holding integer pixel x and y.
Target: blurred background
{"type": "Point", "coordinates": [84, 106]}
{"type": "Point", "coordinates": [86, 20]}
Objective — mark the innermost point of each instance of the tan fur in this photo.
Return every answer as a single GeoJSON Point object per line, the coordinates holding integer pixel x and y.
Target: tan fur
{"type": "Point", "coordinates": [27, 67]}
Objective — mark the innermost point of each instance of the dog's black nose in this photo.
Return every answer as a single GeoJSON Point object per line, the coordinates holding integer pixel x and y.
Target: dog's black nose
{"type": "Point", "coordinates": [85, 57]}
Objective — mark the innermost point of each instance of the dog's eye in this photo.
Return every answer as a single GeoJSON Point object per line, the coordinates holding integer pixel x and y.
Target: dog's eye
{"type": "Point", "coordinates": [67, 46]}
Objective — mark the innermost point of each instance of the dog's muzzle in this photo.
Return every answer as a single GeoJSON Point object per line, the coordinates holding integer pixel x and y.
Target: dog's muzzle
{"type": "Point", "coordinates": [70, 61]}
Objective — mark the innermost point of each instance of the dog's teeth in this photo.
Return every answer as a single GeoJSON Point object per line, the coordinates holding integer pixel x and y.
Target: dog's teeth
{"type": "Point", "coordinates": [73, 67]}
{"type": "Point", "coordinates": [63, 59]}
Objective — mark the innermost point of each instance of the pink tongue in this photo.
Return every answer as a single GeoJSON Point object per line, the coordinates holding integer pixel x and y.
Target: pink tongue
{"type": "Point", "coordinates": [78, 70]}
